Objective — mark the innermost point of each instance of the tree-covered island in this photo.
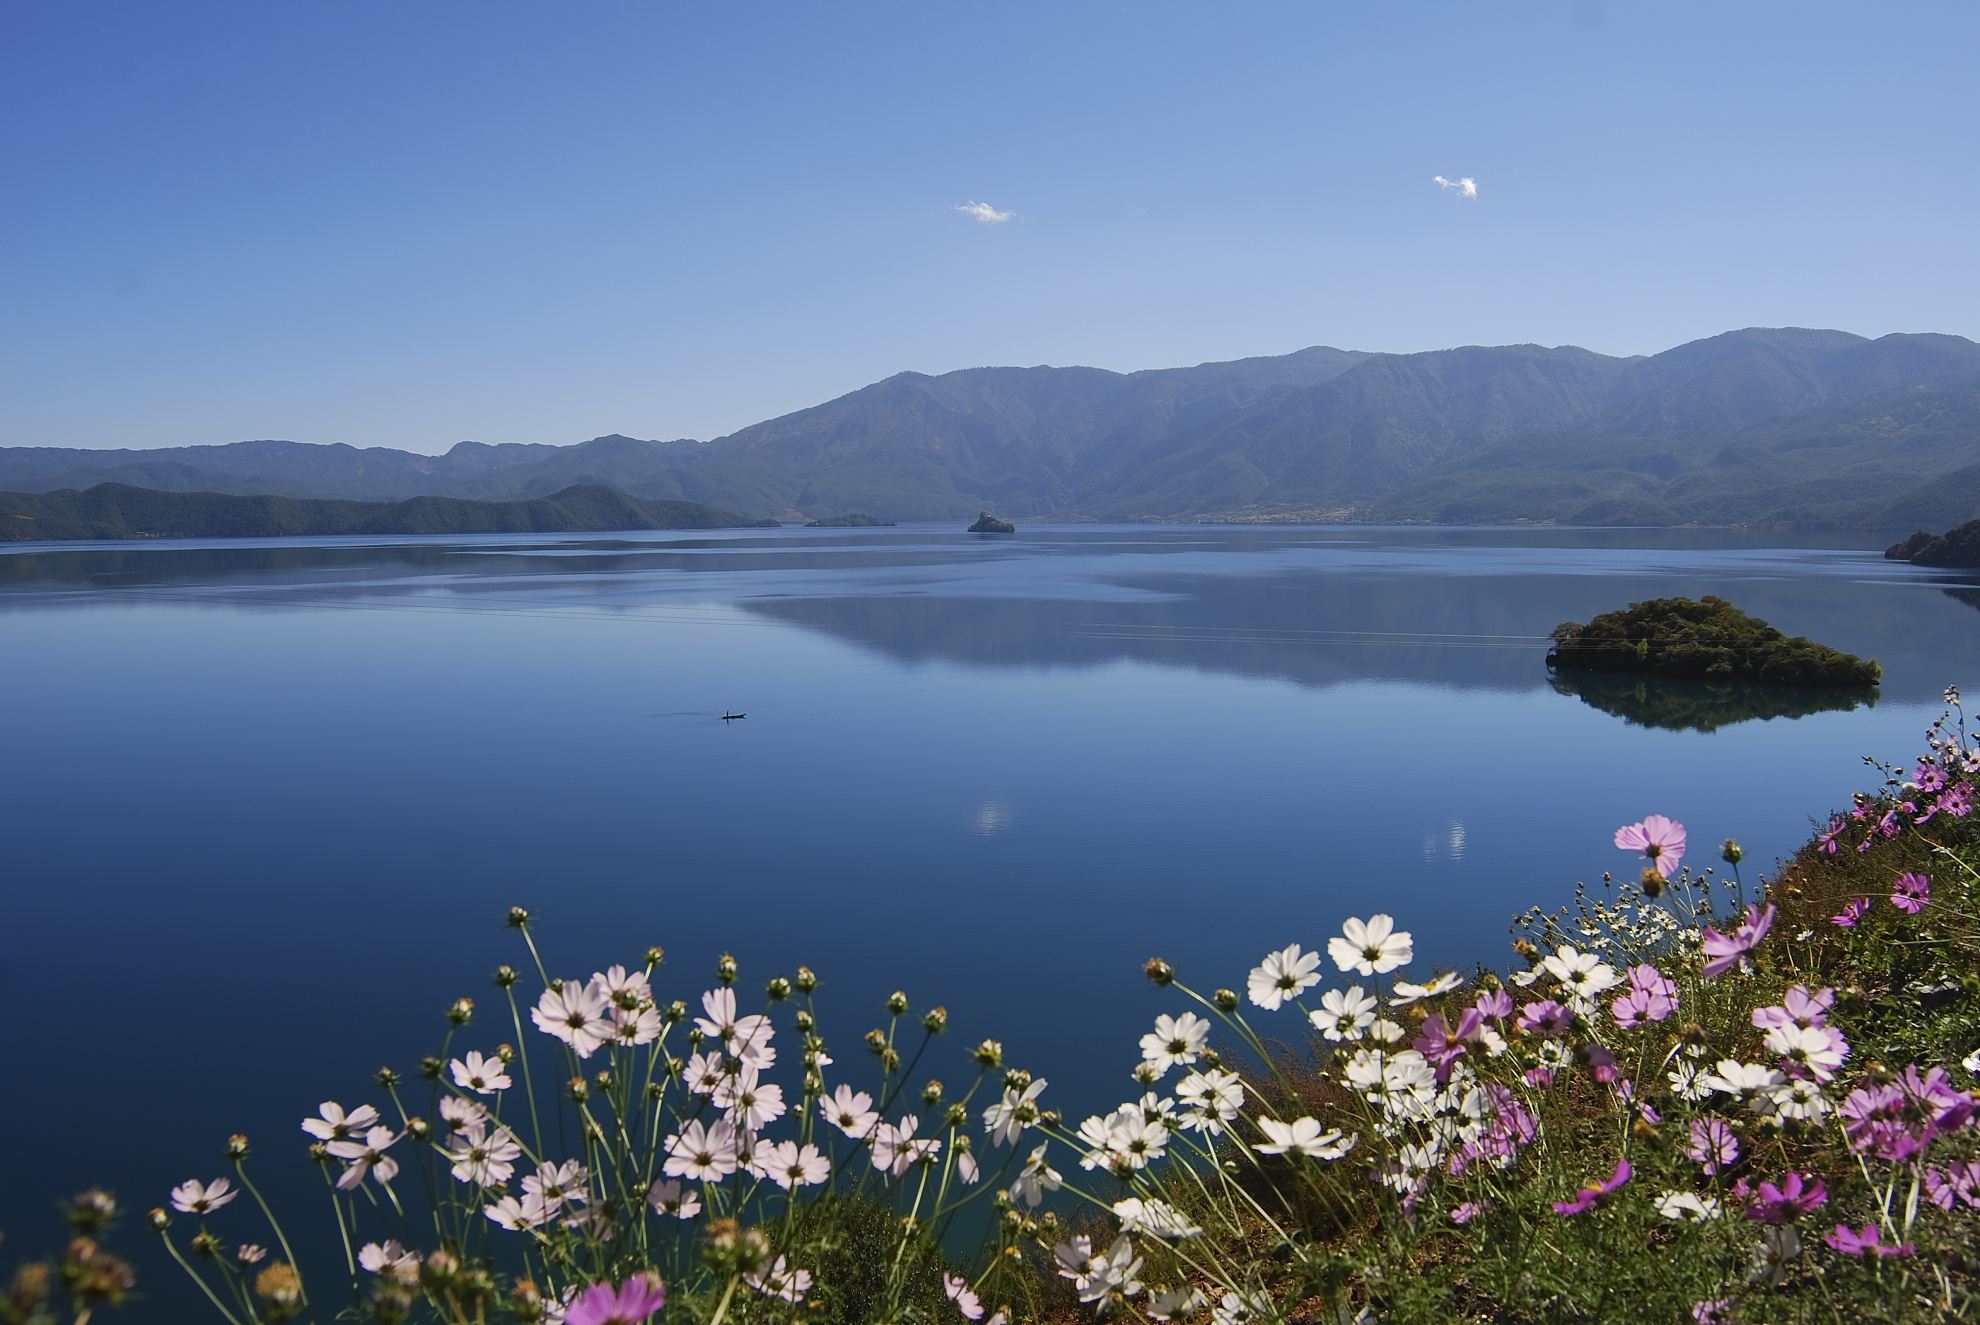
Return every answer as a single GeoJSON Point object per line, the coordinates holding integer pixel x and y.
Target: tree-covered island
{"type": "Point", "coordinates": [1705, 637]}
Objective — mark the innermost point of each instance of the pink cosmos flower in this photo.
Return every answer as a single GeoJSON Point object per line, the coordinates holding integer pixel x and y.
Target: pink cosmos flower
{"type": "Point", "coordinates": [628, 1304]}
{"type": "Point", "coordinates": [1651, 997]}
{"type": "Point", "coordinates": [1588, 1197]}
{"type": "Point", "coordinates": [1864, 1241]}
{"type": "Point", "coordinates": [335, 1124]}
{"type": "Point", "coordinates": [1713, 1146]}
{"type": "Point", "coordinates": [1467, 1211]}
{"type": "Point", "coordinates": [1784, 1204]}
{"type": "Point", "coordinates": [366, 1156]}
{"type": "Point", "coordinates": [1798, 1007]}
{"type": "Point", "coordinates": [1442, 1045]}
{"type": "Point", "coordinates": [1725, 951]}
{"type": "Point", "coordinates": [1495, 1003]}
{"type": "Point", "coordinates": [193, 1197]}
{"type": "Point", "coordinates": [959, 1292]}
{"type": "Point", "coordinates": [1910, 893]}
{"type": "Point", "coordinates": [1957, 1182]}
{"type": "Point", "coordinates": [1545, 1017]}
{"type": "Point", "coordinates": [1660, 840]}
{"type": "Point", "coordinates": [1853, 911]}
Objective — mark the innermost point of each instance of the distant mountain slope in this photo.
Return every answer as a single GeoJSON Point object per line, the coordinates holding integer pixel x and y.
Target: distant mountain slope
{"type": "Point", "coordinates": [116, 510]}
{"type": "Point", "coordinates": [1762, 426]}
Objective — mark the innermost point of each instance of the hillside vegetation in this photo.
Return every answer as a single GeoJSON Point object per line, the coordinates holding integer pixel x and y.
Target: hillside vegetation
{"type": "Point", "coordinates": [1706, 637]}
{"type": "Point", "coordinates": [1783, 427]}
{"type": "Point", "coordinates": [1956, 547]}
{"type": "Point", "coordinates": [116, 510]}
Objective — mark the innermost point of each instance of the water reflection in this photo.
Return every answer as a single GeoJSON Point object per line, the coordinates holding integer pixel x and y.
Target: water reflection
{"type": "Point", "coordinates": [1687, 705]}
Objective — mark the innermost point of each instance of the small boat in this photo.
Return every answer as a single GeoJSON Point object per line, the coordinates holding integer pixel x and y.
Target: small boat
{"type": "Point", "coordinates": [731, 717]}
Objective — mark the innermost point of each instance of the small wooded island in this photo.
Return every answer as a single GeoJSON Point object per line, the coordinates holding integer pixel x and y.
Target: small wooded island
{"type": "Point", "coordinates": [1706, 637]}
{"type": "Point", "coordinates": [1955, 547]}
{"type": "Point", "coordinates": [853, 521]}
{"type": "Point", "coordinates": [987, 523]}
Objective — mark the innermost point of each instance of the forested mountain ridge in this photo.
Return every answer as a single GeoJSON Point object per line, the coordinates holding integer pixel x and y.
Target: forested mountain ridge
{"type": "Point", "coordinates": [1763, 427]}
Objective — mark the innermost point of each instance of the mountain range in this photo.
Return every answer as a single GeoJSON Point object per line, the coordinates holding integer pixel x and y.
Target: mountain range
{"type": "Point", "coordinates": [1779, 427]}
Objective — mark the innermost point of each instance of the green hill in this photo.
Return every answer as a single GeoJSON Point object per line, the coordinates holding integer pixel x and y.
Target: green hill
{"type": "Point", "coordinates": [116, 510]}
{"type": "Point", "coordinates": [1959, 547]}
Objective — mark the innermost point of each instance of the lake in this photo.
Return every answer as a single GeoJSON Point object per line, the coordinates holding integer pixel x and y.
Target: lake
{"type": "Point", "coordinates": [265, 804]}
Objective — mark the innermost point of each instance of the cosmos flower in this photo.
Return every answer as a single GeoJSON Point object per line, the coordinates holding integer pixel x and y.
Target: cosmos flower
{"type": "Point", "coordinates": [1344, 1014]}
{"type": "Point", "coordinates": [778, 1279]}
{"type": "Point", "coordinates": [1866, 1241]}
{"type": "Point", "coordinates": [366, 1156]}
{"type": "Point", "coordinates": [1712, 1145]}
{"type": "Point", "coordinates": [1157, 1219]}
{"type": "Point", "coordinates": [1007, 1119]}
{"type": "Point", "coordinates": [1910, 893]}
{"type": "Point", "coordinates": [194, 1197]}
{"type": "Point", "coordinates": [849, 1110]}
{"type": "Point", "coordinates": [1853, 910]}
{"type": "Point", "coordinates": [628, 1304]}
{"type": "Point", "coordinates": [958, 1291]}
{"type": "Point", "coordinates": [1658, 839]}
{"type": "Point", "coordinates": [669, 1196]}
{"type": "Point", "coordinates": [483, 1076]}
{"type": "Point", "coordinates": [1589, 1197]}
{"type": "Point", "coordinates": [1281, 976]}
{"type": "Point", "coordinates": [575, 1014]}
{"type": "Point", "coordinates": [705, 1154]}
{"type": "Point", "coordinates": [1373, 947]}
{"type": "Point", "coordinates": [335, 1124]}
{"type": "Point", "coordinates": [1302, 1136]}
{"type": "Point", "coordinates": [1176, 1041]}
{"type": "Point", "coordinates": [1725, 951]}
{"type": "Point", "coordinates": [1793, 1198]}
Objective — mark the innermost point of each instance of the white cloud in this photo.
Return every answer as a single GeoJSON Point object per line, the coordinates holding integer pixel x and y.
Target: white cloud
{"type": "Point", "coordinates": [984, 212]}
{"type": "Point", "coordinates": [1466, 187]}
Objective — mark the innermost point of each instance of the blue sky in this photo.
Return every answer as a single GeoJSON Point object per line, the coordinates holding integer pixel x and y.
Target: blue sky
{"type": "Point", "coordinates": [407, 224]}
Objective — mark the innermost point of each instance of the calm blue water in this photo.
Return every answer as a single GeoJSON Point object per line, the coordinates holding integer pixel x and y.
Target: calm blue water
{"type": "Point", "coordinates": [263, 806]}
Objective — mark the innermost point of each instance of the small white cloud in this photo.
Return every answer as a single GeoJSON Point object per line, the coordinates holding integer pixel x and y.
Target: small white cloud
{"type": "Point", "coordinates": [1466, 187]}
{"type": "Point", "coordinates": [984, 212]}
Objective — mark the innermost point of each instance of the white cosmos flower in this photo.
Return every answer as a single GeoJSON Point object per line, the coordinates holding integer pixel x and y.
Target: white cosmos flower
{"type": "Point", "coordinates": [481, 1158]}
{"type": "Point", "coordinates": [1384, 1031]}
{"type": "Point", "coordinates": [1371, 947]}
{"type": "Point", "coordinates": [335, 1124]}
{"type": "Point", "coordinates": [1686, 1082]}
{"type": "Point", "coordinates": [366, 1156]}
{"type": "Point", "coordinates": [894, 1148]}
{"type": "Point", "coordinates": [483, 1076]}
{"type": "Point", "coordinates": [1743, 1080]}
{"type": "Point", "coordinates": [966, 1166]}
{"type": "Point", "coordinates": [959, 1292]}
{"type": "Point", "coordinates": [751, 1104]}
{"type": "Point", "coordinates": [779, 1279]}
{"type": "Point", "coordinates": [791, 1166]}
{"type": "Point", "coordinates": [1687, 1208]}
{"type": "Point", "coordinates": [1155, 1218]}
{"type": "Point", "coordinates": [378, 1257]}
{"type": "Point", "coordinates": [1238, 1309]}
{"type": "Point", "coordinates": [530, 1211]}
{"type": "Point", "coordinates": [1283, 975]}
{"type": "Point", "coordinates": [1779, 1245]}
{"type": "Point", "coordinates": [1817, 1048]}
{"type": "Point", "coordinates": [1006, 1120]}
{"type": "Point", "coordinates": [1210, 1099]}
{"type": "Point", "coordinates": [627, 990]}
{"type": "Point", "coordinates": [574, 1014]}
{"type": "Point", "coordinates": [1036, 1178]}
{"type": "Point", "coordinates": [705, 1154]}
{"type": "Point", "coordinates": [705, 1073]}
{"type": "Point", "coordinates": [636, 1026]}
{"type": "Point", "coordinates": [1802, 1100]}
{"type": "Point", "coordinates": [671, 1197]}
{"type": "Point", "coordinates": [1175, 1041]}
{"type": "Point", "coordinates": [1407, 992]}
{"type": "Point", "coordinates": [1169, 1303]}
{"type": "Point", "coordinates": [559, 1182]}
{"type": "Point", "coordinates": [1583, 975]}
{"type": "Point", "coordinates": [1344, 1013]}
{"type": "Point", "coordinates": [194, 1197]}
{"type": "Point", "coordinates": [1304, 1136]}
{"type": "Point", "coordinates": [849, 1110]}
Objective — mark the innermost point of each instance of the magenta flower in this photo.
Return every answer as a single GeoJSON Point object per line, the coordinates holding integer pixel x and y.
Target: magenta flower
{"type": "Point", "coordinates": [1957, 1182]}
{"type": "Point", "coordinates": [1466, 1212]}
{"type": "Point", "coordinates": [1442, 1045]}
{"type": "Point", "coordinates": [1725, 951]}
{"type": "Point", "coordinates": [1659, 840]}
{"type": "Point", "coordinates": [1712, 1146]}
{"type": "Point", "coordinates": [1495, 1003]}
{"type": "Point", "coordinates": [1910, 893]}
{"type": "Point", "coordinates": [1786, 1203]}
{"type": "Point", "coordinates": [1711, 1311]}
{"type": "Point", "coordinates": [628, 1304]}
{"type": "Point", "coordinates": [1864, 1241]}
{"type": "Point", "coordinates": [1650, 998]}
{"type": "Point", "coordinates": [1827, 839]}
{"type": "Point", "coordinates": [1798, 1007]}
{"type": "Point", "coordinates": [1853, 911]}
{"type": "Point", "coordinates": [1589, 1197]}
{"type": "Point", "coordinates": [1545, 1017]}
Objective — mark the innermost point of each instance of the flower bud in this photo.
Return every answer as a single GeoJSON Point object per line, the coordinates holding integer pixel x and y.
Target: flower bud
{"type": "Point", "coordinates": [205, 1243]}
{"type": "Point", "coordinates": [804, 1021]}
{"type": "Point", "coordinates": [388, 1076]}
{"type": "Point", "coordinates": [752, 1250]}
{"type": "Point", "coordinates": [1050, 1119]}
{"type": "Point", "coordinates": [518, 918]}
{"type": "Point", "coordinates": [1225, 1000]}
{"type": "Point", "coordinates": [959, 1117]}
{"type": "Point", "coordinates": [604, 1080]}
{"type": "Point", "coordinates": [418, 1128]}
{"type": "Point", "coordinates": [1731, 852]}
{"type": "Point", "coordinates": [1158, 971]}
{"type": "Point", "coordinates": [237, 1146]}
{"type": "Point", "coordinates": [579, 1088]}
{"type": "Point", "coordinates": [1017, 1079]}
{"type": "Point", "coordinates": [876, 1040]}
{"type": "Point", "coordinates": [506, 1052]}
{"type": "Point", "coordinates": [92, 1211]}
{"type": "Point", "coordinates": [936, 1021]}
{"type": "Point", "coordinates": [989, 1055]}
{"type": "Point", "coordinates": [931, 1094]}
{"type": "Point", "coordinates": [890, 1058]}
{"type": "Point", "coordinates": [725, 969]}
{"type": "Point", "coordinates": [505, 976]}
{"type": "Point", "coordinates": [675, 1012]}
{"type": "Point", "coordinates": [655, 956]}
{"type": "Point", "coordinates": [431, 1067]}
{"type": "Point", "coordinates": [461, 1011]}
{"type": "Point", "coordinates": [778, 989]}
{"type": "Point", "coordinates": [807, 979]}
{"type": "Point", "coordinates": [897, 1002]}
{"type": "Point", "coordinates": [1651, 882]}
{"type": "Point", "coordinates": [159, 1219]}
{"type": "Point", "coordinates": [655, 1091]}
{"type": "Point", "coordinates": [1144, 1074]}
{"type": "Point", "coordinates": [719, 1248]}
